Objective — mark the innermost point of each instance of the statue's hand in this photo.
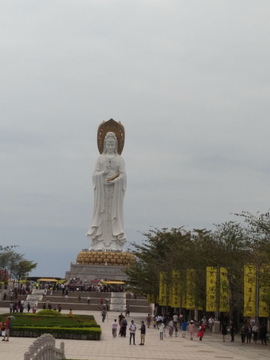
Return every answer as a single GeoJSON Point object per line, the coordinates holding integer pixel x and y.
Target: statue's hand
{"type": "Point", "coordinates": [106, 171]}
{"type": "Point", "coordinates": [108, 182]}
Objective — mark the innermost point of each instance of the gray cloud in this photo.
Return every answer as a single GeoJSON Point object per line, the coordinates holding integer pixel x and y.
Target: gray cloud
{"type": "Point", "coordinates": [188, 80]}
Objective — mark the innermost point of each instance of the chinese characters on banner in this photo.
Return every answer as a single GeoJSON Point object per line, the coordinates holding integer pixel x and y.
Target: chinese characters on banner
{"type": "Point", "coordinates": [211, 289]}
{"type": "Point", "coordinates": [184, 303]}
{"type": "Point", "coordinates": [151, 298]}
{"type": "Point", "coordinates": [175, 290]}
{"type": "Point", "coordinates": [224, 298]}
{"type": "Point", "coordinates": [249, 290]}
{"type": "Point", "coordinates": [162, 289]}
{"type": "Point", "coordinates": [190, 296]}
{"type": "Point", "coordinates": [263, 310]}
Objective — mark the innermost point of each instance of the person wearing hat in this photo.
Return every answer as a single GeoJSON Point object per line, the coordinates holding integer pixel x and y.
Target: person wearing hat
{"type": "Point", "coordinates": [191, 329]}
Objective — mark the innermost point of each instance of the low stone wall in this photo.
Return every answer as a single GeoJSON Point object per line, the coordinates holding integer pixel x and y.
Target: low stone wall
{"type": "Point", "coordinates": [44, 348]}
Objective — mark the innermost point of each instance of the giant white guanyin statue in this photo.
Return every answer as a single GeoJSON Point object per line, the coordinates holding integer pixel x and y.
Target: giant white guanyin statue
{"type": "Point", "coordinates": [109, 180]}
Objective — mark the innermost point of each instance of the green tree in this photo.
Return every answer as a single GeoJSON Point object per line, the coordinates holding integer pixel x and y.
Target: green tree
{"type": "Point", "coordinates": [17, 266]}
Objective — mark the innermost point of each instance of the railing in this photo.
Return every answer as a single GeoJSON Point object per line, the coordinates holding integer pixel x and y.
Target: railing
{"type": "Point", "coordinates": [43, 348]}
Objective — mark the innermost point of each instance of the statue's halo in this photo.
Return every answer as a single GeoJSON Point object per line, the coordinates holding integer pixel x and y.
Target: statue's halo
{"type": "Point", "coordinates": [111, 126]}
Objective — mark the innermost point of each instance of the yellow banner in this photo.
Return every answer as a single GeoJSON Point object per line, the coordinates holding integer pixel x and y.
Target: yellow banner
{"type": "Point", "coordinates": [263, 309]}
{"type": "Point", "coordinates": [184, 303]}
{"type": "Point", "coordinates": [224, 295]}
{"type": "Point", "coordinates": [190, 298]}
{"type": "Point", "coordinates": [150, 298]}
{"type": "Point", "coordinates": [211, 289]}
{"type": "Point", "coordinates": [249, 290]}
{"type": "Point", "coordinates": [162, 289]}
{"type": "Point", "coordinates": [175, 290]}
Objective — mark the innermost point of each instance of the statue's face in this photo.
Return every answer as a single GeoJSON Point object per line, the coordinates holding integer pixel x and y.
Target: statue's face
{"type": "Point", "coordinates": [110, 147]}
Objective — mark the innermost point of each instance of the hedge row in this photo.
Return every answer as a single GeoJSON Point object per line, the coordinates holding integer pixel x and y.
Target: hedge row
{"type": "Point", "coordinates": [81, 321]}
{"type": "Point", "coordinates": [57, 332]}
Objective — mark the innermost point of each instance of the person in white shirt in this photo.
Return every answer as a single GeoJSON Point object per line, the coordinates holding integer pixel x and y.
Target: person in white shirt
{"type": "Point", "coordinates": [161, 330]}
{"type": "Point", "coordinates": [132, 330]}
{"type": "Point", "coordinates": [175, 320]}
{"type": "Point", "coordinates": [114, 328]}
{"type": "Point", "coordinates": [211, 323]}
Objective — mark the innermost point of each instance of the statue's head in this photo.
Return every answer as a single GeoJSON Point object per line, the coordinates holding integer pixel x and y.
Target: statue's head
{"type": "Point", "coordinates": [110, 143]}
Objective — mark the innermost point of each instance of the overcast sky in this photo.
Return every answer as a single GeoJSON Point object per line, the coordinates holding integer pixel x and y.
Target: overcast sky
{"type": "Point", "coordinates": [189, 80]}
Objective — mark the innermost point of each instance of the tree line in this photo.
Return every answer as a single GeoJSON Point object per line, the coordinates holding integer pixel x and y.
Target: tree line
{"type": "Point", "coordinates": [231, 245]}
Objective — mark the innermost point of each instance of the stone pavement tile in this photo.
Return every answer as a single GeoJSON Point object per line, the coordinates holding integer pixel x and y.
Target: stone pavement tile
{"type": "Point", "coordinates": [171, 348]}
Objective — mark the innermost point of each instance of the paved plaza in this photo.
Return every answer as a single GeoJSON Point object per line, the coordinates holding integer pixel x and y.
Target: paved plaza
{"type": "Point", "coordinates": [211, 348]}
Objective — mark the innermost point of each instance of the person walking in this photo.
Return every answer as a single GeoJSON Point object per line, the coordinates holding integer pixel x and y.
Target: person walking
{"type": "Point", "coordinates": [161, 330]}
{"type": "Point", "coordinates": [148, 320]}
{"type": "Point", "coordinates": [143, 331]}
{"type": "Point", "coordinates": [171, 327]}
{"type": "Point", "coordinates": [132, 330]}
{"type": "Point", "coordinates": [124, 327]}
{"type": "Point", "coordinates": [263, 333]}
{"type": "Point", "coordinates": [175, 320]}
{"type": "Point", "coordinates": [255, 330]}
{"type": "Point", "coordinates": [184, 329]}
{"type": "Point", "coordinates": [120, 318]}
{"type": "Point", "coordinates": [114, 328]}
{"type": "Point", "coordinates": [201, 331]}
{"type": "Point", "coordinates": [127, 311]}
{"type": "Point", "coordinates": [224, 331]}
{"type": "Point", "coordinates": [211, 323]}
{"type": "Point", "coordinates": [243, 333]}
{"type": "Point", "coordinates": [249, 333]}
{"type": "Point", "coordinates": [232, 330]}
{"type": "Point", "coordinates": [103, 314]}
{"type": "Point", "coordinates": [7, 327]}
{"type": "Point", "coordinates": [191, 329]}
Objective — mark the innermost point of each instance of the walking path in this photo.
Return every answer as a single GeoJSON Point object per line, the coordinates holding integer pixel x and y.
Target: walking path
{"type": "Point", "coordinates": [171, 348]}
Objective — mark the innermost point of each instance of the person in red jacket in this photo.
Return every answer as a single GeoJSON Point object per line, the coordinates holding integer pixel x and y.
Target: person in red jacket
{"type": "Point", "coordinates": [201, 331]}
{"type": "Point", "coordinates": [6, 337]}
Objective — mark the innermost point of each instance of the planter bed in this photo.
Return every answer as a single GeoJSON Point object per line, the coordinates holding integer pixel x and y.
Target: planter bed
{"type": "Point", "coordinates": [79, 327]}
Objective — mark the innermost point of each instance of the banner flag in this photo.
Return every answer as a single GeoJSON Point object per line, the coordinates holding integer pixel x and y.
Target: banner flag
{"type": "Point", "coordinates": [224, 295]}
{"type": "Point", "coordinates": [151, 298]}
{"type": "Point", "coordinates": [184, 303]}
{"type": "Point", "coordinates": [211, 289]}
{"type": "Point", "coordinates": [190, 298]}
{"type": "Point", "coordinates": [162, 289]}
{"type": "Point", "coordinates": [249, 290]}
{"type": "Point", "coordinates": [263, 310]}
{"type": "Point", "coordinates": [175, 290]}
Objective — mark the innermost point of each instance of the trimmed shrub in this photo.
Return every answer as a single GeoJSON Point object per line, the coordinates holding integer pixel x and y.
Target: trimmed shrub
{"type": "Point", "coordinates": [48, 312]}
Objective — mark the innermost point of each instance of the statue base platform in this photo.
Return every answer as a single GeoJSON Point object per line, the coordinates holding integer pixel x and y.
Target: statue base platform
{"type": "Point", "coordinates": [97, 265]}
{"type": "Point", "coordinates": [97, 257]}
{"type": "Point", "coordinates": [86, 273]}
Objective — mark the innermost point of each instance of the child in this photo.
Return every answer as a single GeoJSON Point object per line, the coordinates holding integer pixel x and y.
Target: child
{"type": "Point", "coordinates": [161, 330]}
{"type": "Point", "coordinates": [184, 329]}
{"type": "Point", "coordinates": [154, 322]}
